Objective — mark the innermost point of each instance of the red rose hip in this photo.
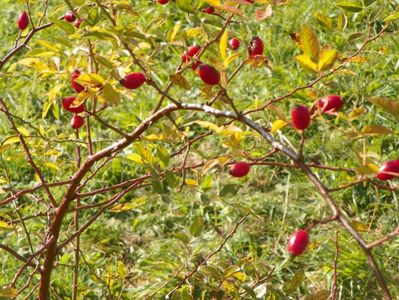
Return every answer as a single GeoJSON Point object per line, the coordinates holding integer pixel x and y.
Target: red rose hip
{"type": "Point", "coordinates": [255, 47]}
{"type": "Point", "coordinates": [209, 10]}
{"type": "Point", "coordinates": [298, 242]}
{"type": "Point", "coordinates": [78, 22]}
{"type": "Point", "coordinates": [23, 20]}
{"type": "Point", "coordinates": [163, 1]}
{"type": "Point", "coordinates": [76, 86]}
{"type": "Point", "coordinates": [67, 104]}
{"type": "Point", "coordinates": [208, 74]}
{"type": "Point", "coordinates": [69, 16]}
{"type": "Point", "coordinates": [77, 121]}
{"type": "Point", "coordinates": [133, 80]}
{"type": "Point", "coordinates": [330, 103]}
{"type": "Point", "coordinates": [388, 170]}
{"type": "Point", "coordinates": [239, 169]}
{"type": "Point", "coordinates": [191, 52]}
{"type": "Point", "coordinates": [234, 43]}
{"type": "Point", "coordinates": [300, 115]}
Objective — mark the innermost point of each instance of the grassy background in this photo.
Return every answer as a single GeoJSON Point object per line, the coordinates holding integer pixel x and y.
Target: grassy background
{"type": "Point", "coordinates": [139, 250]}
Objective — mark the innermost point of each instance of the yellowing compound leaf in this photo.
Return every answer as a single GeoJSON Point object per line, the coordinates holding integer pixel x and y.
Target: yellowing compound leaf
{"type": "Point", "coordinates": [305, 61]}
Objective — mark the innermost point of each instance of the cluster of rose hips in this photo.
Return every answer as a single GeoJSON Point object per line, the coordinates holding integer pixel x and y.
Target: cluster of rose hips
{"type": "Point", "coordinates": [71, 18]}
{"type": "Point", "coordinates": [301, 117]}
{"type": "Point", "coordinates": [208, 73]}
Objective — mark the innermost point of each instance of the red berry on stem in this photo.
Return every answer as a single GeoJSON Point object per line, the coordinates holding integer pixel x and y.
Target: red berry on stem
{"type": "Point", "coordinates": [300, 115]}
{"type": "Point", "coordinates": [298, 242]}
{"type": "Point", "coordinates": [255, 46]}
{"type": "Point", "coordinates": [76, 86]}
{"type": "Point", "coordinates": [191, 52]}
{"type": "Point", "coordinates": [208, 74]}
{"type": "Point", "coordinates": [23, 20]}
{"type": "Point", "coordinates": [67, 104]}
{"type": "Point", "coordinates": [133, 80]}
{"type": "Point", "coordinates": [234, 43]}
{"type": "Point", "coordinates": [209, 10]}
{"type": "Point", "coordinates": [77, 121]}
{"type": "Point", "coordinates": [388, 170]}
{"type": "Point", "coordinates": [330, 103]}
{"type": "Point", "coordinates": [69, 16]}
{"type": "Point", "coordinates": [239, 169]}
{"type": "Point", "coordinates": [163, 1]}
{"type": "Point", "coordinates": [78, 22]}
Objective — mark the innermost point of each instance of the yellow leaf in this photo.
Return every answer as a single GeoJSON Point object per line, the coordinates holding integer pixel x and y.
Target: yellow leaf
{"type": "Point", "coordinates": [191, 182]}
{"type": "Point", "coordinates": [210, 126]}
{"type": "Point", "coordinates": [327, 59]}
{"type": "Point", "coordinates": [5, 225]}
{"type": "Point", "coordinates": [129, 206]}
{"type": "Point", "coordinates": [306, 62]}
{"type": "Point", "coordinates": [229, 59]}
{"type": "Point", "coordinates": [309, 42]}
{"type": "Point", "coordinates": [229, 287]}
{"type": "Point", "coordinates": [35, 63]}
{"type": "Point", "coordinates": [90, 79]}
{"type": "Point", "coordinates": [53, 152]}
{"type": "Point", "coordinates": [213, 2]}
{"type": "Point", "coordinates": [136, 158]}
{"type": "Point", "coordinates": [175, 30]}
{"type": "Point", "coordinates": [359, 226]}
{"type": "Point", "coordinates": [277, 125]}
{"type": "Point", "coordinates": [241, 276]}
{"type": "Point", "coordinates": [223, 44]}
{"type": "Point", "coordinates": [52, 166]}
{"type": "Point", "coordinates": [10, 140]}
{"type": "Point", "coordinates": [23, 131]}
{"type": "Point", "coordinates": [375, 129]}
{"type": "Point", "coordinates": [111, 96]}
{"type": "Point", "coordinates": [194, 32]}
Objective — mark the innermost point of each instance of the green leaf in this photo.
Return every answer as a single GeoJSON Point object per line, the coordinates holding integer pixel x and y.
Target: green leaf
{"type": "Point", "coordinates": [309, 42]}
{"type": "Point", "coordinates": [342, 21]}
{"type": "Point", "coordinates": [294, 282]}
{"type": "Point", "coordinates": [389, 106]}
{"type": "Point", "coordinates": [352, 6]}
{"type": "Point", "coordinates": [391, 17]}
{"type": "Point", "coordinates": [110, 94]}
{"type": "Point", "coordinates": [324, 20]}
{"type": "Point", "coordinates": [229, 190]}
{"type": "Point", "coordinates": [185, 5]}
{"type": "Point", "coordinates": [197, 226]}
{"type": "Point", "coordinates": [67, 27]}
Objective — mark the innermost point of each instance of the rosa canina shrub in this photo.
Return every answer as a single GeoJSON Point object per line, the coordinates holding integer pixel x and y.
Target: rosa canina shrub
{"type": "Point", "coordinates": [145, 156]}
